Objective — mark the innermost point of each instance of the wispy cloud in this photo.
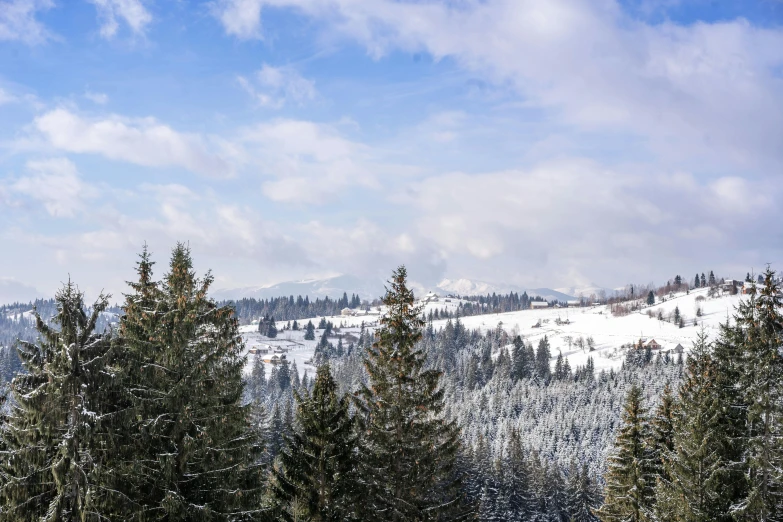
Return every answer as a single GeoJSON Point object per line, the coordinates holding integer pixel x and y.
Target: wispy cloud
{"type": "Point", "coordinates": [240, 18]}
{"type": "Point", "coordinates": [132, 12]}
{"type": "Point", "coordinates": [97, 97]}
{"type": "Point", "coordinates": [55, 184]}
{"type": "Point", "coordinates": [144, 141]}
{"type": "Point", "coordinates": [18, 20]}
{"type": "Point", "coordinates": [277, 86]}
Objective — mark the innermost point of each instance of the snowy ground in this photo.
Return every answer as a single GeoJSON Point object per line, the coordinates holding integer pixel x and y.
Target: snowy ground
{"type": "Point", "coordinates": [608, 332]}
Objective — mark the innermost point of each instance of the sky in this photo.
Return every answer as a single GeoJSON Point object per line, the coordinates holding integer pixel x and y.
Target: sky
{"type": "Point", "coordinates": [529, 142]}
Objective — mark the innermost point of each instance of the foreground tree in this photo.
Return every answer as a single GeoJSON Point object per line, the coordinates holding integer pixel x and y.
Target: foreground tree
{"type": "Point", "coordinates": [408, 449]}
{"type": "Point", "coordinates": [315, 479]}
{"type": "Point", "coordinates": [630, 478]}
{"type": "Point", "coordinates": [190, 451]}
{"type": "Point", "coordinates": [55, 438]}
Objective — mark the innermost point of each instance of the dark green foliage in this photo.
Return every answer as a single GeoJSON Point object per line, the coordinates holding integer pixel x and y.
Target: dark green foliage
{"type": "Point", "coordinates": [630, 470]}
{"type": "Point", "coordinates": [582, 495]}
{"type": "Point", "coordinates": [314, 480]}
{"type": "Point", "coordinates": [650, 298]}
{"type": "Point", "coordinates": [55, 440]}
{"type": "Point", "coordinates": [543, 354]}
{"type": "Point", "coordinates": [190, 452]}
{"type": "Point", "coordinates": [309, 331]}
{"type": "Point", "coordinates": [408, 450]}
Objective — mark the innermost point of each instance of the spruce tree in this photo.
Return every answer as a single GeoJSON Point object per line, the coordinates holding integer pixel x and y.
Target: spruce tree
{"type": "Point", "coordinates": [630, 479]}
{"type": "Point", "coordinates": [315, 479]}
{"type": "Point", "coordinates": [191, 451]}
{"type": "Point", "coordinates": [582, 495]}
{"type": "Point", "coordinates": [55, 440]}
{"type": "Point", "coordinates": [760, 325]}
{"type": "Point", "coordinates": [309, 332]}
{"type": "Point", "coordinates": [688, 489]}
{"type": "Point", "coordinates": [543, 354]}
{"type": "Point", "coordinates": [662, 431]}
{"type": "Point", "coordinates": [408, 449]}
{"type": "Point", "coordinates": [650, 298]}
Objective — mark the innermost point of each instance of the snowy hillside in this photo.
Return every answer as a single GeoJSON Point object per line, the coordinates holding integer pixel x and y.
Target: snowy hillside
{"type": "Point", "coordinates": [609, 333]}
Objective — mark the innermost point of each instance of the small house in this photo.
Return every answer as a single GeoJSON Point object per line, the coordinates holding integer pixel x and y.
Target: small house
{"type": "Point", "coordinates": [537, 305]}
{"type": "Point", "coordinates": [652, 344]}
{"type": "Point", "coordinates": [678, 349]}
{"type": "Point", "coordinates": [274, 359]}
{"type": "Point", "coordinates": [347, 312]}
{"type": "Point", "coordinates": [573, 304]}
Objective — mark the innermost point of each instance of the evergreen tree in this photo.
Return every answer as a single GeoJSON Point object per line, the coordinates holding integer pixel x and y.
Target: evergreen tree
{"type": "Point", "coordinates": [309, 331]}
{"type": "Point", "coordinates": [676, 315]}
{"type": "Point", "coordinates": [760, 325]}
{"type": "Point", "coordinates": [543, 355]}
{"type": "Point", "coordinates": [696, 281]}
{"type": "Point", "coordinates": [582, 495]}
{"type": "Point", "coordinates": [56, 438]}
{"type": "Point", "coordinates": [630, 470]}
{"type": "Point", "coordinates": [688, 487]}
{"type": "Point", "coordinates": [703, 280]}
{"type": "Point", "coordinates": [295, 326]}
{"type": "Point", "coordinates": [650, 298]}
{"type": "Point", "coordinates": [408, 449]}
{"type": "Point", "coordinates": [662, 431]}
{"type": "Point", "coordinates": [190, 451]}
{"type": "Point", "coordinates": [314, 480]}
{"type": "Point", "coordinates": [712, 278]}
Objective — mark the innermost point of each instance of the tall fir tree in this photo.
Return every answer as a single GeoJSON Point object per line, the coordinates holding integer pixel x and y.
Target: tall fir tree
{"type": "Point", "coordinates": [630, 478]}
{"type": "Point", "coordinates": [759, 324]}
{"type": "Point", "coordinates": [191, 451]}
{"type": "Point", "coordinates": [689, 487]}
{"type": "Point", "coordinates": [56, 439]}
{"type": "Point", "coordinates": [582, 495]}
{"type": "Point", "coordinates": [314, 480]}
{"type": "Point", "coordinates": [408, 449]}
{"type": "Point", "coordinates": [662, 431]}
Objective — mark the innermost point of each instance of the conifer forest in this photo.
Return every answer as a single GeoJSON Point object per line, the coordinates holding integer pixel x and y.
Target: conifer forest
{"type": "Point", "coordinates": [142, 411]}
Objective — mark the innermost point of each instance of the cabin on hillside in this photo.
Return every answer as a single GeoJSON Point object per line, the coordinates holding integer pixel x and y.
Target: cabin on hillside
{"type": "Point", "coordinates": [677, 349]}
{"type": "Point", "coordinates": [573, 304]}
{"type": "Point", "coordinates": [652, 344]}
{"type": "Point", "coordinates": [537, 305]}
{"type": "Point", "coordinates": [274, 359]}
{"type": "Point", "coordinates": [347, 312]}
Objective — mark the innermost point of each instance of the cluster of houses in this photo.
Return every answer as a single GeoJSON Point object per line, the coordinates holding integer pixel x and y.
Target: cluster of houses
{"type": "Point", "coordinates": [655, 346]}
{"type": "Point", "coordinates": [271, 354]}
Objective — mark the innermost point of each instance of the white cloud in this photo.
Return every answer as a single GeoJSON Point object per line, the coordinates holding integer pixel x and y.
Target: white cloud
{"type": "Point", "coordinates": [240, 18]}
{"type": "Point", "coordinates": [697, 91]}
{"type": "Point", "coordinates": [580, 218]}
{"type": "Point", "coordinates": [139, 141]}
{"type": "Point", "coordinates": [55, 183]}
{"type": "Point", "coordinates": [276, 86]}
{"type": "Point", "coordinates": [132, 12]}
{"type": "Point", "coordinates": [311, 162]}
{"type": "Point", "coordinates": [97, 97]}
{"type": "Point", "coordinates": [18, 21]}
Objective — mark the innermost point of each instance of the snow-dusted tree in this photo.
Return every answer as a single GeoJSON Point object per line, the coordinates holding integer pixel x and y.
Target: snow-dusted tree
{"type": "Point", "coordinates": [662, 431]}
{"type": "Point", "coordinates": [315, 479]}
{"type": "Point", "coordinates": [309, 331]}
{"type": "Point", "coordinates": [408, 448]}
{"type": "Point", "coordinates": [190, 452]}
{"type": "Point", "coordinates": [55, 440]}
{"type": "Point", "coordinates": [543, 354]}
{"type": "Point", "coordinates": [688, 488]}
{"type": "Point", "coordinates": [630, 479]}
{"type": "Point", "coordinates": [760, 326]}
{"type": "Point", "coordinates": [582, 495]}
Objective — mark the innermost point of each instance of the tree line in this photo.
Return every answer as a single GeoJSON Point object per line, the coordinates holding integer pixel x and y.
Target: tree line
{"type": "Point", "coordinates": [149, 421]}
{"type": "Point", "coordinates": [712, 450]}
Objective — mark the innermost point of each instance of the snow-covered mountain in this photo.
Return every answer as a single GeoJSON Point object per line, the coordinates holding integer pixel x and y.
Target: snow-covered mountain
{"type": "Point", "coordinates": [333, 287]}
{"type": "Point", "coordinates": [585, 290]}
{"type": "Point", "coordinates": [470, 287]}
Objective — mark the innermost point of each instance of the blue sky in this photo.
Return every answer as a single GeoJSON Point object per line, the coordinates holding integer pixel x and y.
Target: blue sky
{"type": "Point", "coordinates": [535, 142]}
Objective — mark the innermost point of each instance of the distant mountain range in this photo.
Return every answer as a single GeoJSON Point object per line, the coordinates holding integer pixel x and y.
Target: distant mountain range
{"type": "Point", "coordinates": [334, 287]}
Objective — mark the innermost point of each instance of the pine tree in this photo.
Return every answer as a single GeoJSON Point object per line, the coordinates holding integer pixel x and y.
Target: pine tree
{"type": "Point", "coordinates": [55, 439]}
{"type": "Point", "coordinates": [687, 487]}
{"type": "Point", "coordinates": [650, 298]}
{"type": "Point", "coordinates": [760, 324]}
{"type": "Point", "coordinates": [662, 431]}
{"type": "Point", "coordinates": [191, 452]}
{"type": "Point", "coordinates": [630, 470]}
{"type": "Point", "coordinates": [314, 480]}
{"type": "Point", "coordinates": [582, 495]}
{"type": "Point", "coordinates": [696, 281]}
{"type": "Point", "coordinates": [543, 355]}
{"type": "Point", "coordinates": [309, 331]}
{"type": "Point", "coordinates": [408, 450]}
